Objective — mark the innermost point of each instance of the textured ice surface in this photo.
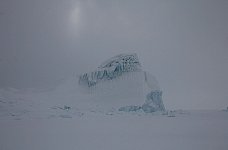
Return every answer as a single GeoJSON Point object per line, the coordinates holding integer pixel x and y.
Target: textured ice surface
{"type": "Point", "coordinates": [153, 102]}
{"type": "Point", "coordinates": [111, 69]}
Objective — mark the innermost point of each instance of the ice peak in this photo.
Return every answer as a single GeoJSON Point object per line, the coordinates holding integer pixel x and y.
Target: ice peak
{"type": "Point", "coordinates": [128, 61]}
{"type": "Point", "coordinates": [112, 68]}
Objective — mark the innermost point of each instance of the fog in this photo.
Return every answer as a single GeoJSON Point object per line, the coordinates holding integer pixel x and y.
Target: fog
{"type": "Point", "coordinates": [183, 43]}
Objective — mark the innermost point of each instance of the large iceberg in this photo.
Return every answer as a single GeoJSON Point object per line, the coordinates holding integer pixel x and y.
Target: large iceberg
{"type": "Point", "coordinates": [120, 82]}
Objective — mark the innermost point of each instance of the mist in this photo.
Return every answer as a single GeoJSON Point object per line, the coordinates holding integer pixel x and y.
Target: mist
{"type": "Point", "coordinates": [182, 43]}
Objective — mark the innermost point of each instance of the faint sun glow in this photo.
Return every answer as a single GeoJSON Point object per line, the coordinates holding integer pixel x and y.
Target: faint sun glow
{"type": "Point", "coordinates": [75, 16]}
{"type": "Point", "coordinates": [75, 19]}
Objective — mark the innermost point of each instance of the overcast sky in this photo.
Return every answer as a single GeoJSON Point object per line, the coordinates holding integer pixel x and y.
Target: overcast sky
{"type": "Point", "coordinates": [184, 43]}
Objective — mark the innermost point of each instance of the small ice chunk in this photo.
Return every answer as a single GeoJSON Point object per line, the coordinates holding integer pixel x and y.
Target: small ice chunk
{"type": "Point", "coordinates": [148, 109]}
{"type": "Point", "coordinates": [130, 108]}
{"type": "Point", "coordinates": [171, 114]}
{"type": "Point", "coordinates": [67, 107]}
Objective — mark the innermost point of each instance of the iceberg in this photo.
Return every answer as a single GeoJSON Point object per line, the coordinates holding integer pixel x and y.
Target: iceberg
{"type": "Point", "coordinates": [120, 82]}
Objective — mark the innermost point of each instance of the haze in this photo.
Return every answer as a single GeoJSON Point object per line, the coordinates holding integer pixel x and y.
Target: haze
{"type": "Point", "coordinates": [183, 43]}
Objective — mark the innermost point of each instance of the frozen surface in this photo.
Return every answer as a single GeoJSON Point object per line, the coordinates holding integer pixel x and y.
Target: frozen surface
{"type": "Point", "coordinates": [48, 120]}
{"type": "Point", "coordinates": [198, 130]}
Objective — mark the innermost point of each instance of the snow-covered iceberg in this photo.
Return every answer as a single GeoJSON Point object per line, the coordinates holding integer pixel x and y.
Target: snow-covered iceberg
{"type": "Point", "coordinates": [120, 82]}
{"type": "Point", "coordinates": [111, 69]}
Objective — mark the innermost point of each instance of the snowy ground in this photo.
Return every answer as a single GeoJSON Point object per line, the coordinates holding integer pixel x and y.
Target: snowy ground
{"type": "Point", "coordinates": [29, 124]}
{"type": "Point", "coordinates": [198, 130]}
